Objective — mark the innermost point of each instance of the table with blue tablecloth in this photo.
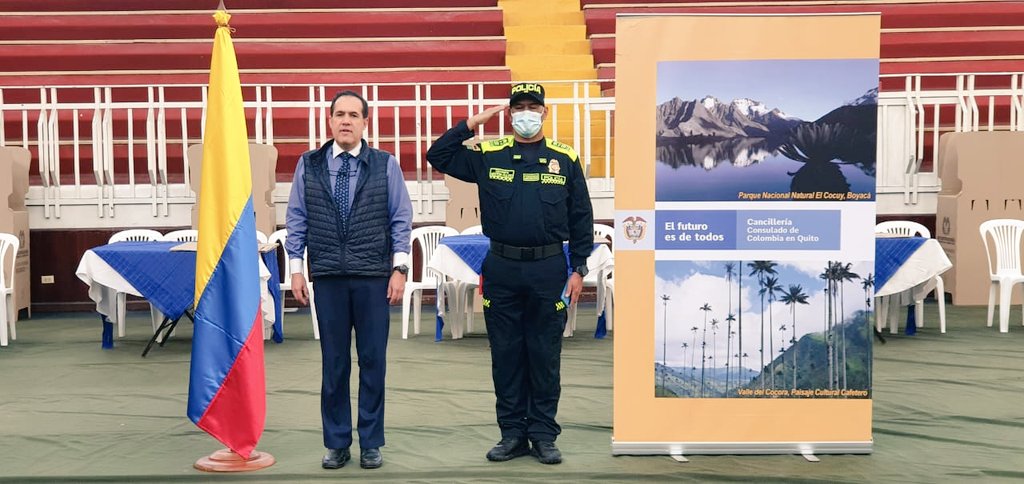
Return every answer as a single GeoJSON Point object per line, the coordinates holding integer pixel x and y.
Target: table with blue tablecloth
{"type": "Point", "coordinates": [905, 270]}
{"type": "Point", "coordinates": [164, 277]}
{"type": "Point", "coordinates": [460, 258]}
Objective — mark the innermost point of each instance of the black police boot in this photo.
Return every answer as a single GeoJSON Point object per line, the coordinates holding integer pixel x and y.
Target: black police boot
{"type": "Point", "coordinates": [546, 452]}
{"type": "Point", "coordinates": [509, 448]}
{"type": "Point", "coordinates": [370, 458]}
{"type": "Point", "coordinates": [335, 458]}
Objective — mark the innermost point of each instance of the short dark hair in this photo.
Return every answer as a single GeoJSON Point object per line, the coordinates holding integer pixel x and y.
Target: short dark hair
{"type": "Point", "coordinates": [366, 107]}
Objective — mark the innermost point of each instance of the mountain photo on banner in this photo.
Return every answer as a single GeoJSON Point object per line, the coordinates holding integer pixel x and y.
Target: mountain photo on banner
{"type": "Point", "coordinates": [763, 329]}
{"type": "Point", "coordinates": [766, 130]}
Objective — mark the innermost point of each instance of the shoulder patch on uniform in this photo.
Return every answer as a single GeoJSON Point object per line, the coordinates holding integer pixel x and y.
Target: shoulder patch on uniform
{"type": "Point", "coordinates": [563, 148]}
{"type": "Point", "coordinates": [496, 144]}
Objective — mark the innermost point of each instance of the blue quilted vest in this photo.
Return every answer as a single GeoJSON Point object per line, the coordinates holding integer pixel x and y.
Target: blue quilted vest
{"type": "Point", "coordinates": [366, 249]}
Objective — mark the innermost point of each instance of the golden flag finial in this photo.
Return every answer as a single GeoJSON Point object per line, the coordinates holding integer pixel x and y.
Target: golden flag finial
{"type": "Point", "coordinates": [221, 17]}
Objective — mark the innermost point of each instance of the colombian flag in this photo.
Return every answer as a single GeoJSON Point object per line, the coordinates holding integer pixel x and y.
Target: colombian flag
{"type": "Point", "coordinates": [227, 392]}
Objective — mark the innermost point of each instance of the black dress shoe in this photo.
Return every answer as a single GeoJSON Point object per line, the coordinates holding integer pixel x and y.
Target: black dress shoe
{"type": "Point", "coordinates": [370, 458]}
{"type": "Point", "coordinates": [509, 448]}
{"type": "Point", "coordinates": [546, 452]}
{"type": "Point", "coordinates": [336, 458]}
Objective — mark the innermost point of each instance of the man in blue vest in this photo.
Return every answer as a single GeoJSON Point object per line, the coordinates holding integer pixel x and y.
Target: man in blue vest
{"type": "Point", "coordinates": [533, 196]}
{"type": "Point", "coordinates": [350, 209]}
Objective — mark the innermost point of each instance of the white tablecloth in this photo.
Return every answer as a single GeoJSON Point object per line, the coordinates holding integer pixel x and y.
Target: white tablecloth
{"type": "Point", "coordinates": [914, 279]}
{"type": "Point", "coordinates": [918, 271]}
{"type": "Point", "coordinates": [448, 263]}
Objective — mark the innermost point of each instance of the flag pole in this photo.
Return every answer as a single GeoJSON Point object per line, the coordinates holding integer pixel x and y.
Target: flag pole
{"type": "Point", "coordinates": [232, 409]}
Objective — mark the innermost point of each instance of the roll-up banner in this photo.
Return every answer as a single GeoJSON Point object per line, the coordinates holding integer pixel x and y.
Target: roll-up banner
{"type": "Point", "coordinates": [744, 214]}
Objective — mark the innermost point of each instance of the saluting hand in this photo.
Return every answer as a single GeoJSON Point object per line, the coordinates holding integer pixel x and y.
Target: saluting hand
{"type": "Point", "coordinates": [483, 116]}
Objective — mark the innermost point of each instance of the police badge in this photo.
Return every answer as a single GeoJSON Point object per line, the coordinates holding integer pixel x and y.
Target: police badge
{"type": "Point", "coordinates": [553, 167]}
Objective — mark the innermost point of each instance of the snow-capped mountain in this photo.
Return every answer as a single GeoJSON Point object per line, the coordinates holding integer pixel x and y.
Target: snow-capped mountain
{"type": "Point", "coordinates": [710, 118]}
{"type": "Point", "coordinates": [869, 97]}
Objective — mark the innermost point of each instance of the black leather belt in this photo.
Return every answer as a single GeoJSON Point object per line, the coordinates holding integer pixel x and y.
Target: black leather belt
{"type": "Point", "coordinates": [526, 253]}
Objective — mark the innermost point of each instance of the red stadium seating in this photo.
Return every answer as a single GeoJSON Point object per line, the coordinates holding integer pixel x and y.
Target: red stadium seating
{"type": "Point", "coordinates": [917, 38]}
{"type": "Point", "coordinates": [342, 42]}
{"type": "Point", "coordinates": [232, 5]}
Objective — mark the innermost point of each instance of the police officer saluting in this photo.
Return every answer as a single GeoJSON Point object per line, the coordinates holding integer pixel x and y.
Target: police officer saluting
{"type": "Point", "coordinates": [533, 196]}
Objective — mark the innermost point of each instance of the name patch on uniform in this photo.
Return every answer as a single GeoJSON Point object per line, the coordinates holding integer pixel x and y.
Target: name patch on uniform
{"type": "Point", "coordinates": [549, 179]}
{"type": "Point", "coordinates": [531, 177]}
{"type": "Point", "coordinates": [504, 175]}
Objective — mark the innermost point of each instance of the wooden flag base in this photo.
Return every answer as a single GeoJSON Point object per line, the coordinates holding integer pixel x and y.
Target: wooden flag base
{"type": "Point", "coordinates": [225, 460]}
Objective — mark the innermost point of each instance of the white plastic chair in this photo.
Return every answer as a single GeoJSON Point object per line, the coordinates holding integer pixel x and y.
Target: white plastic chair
{"type": "Point", "coordinates": [1005, 270]}
{"type": "Point", "coordinates": [428, 239]}
{"type": "Point", "coordinates": [279, 237]}
{"type": "Point", "coordinates": [9, 244]}
{"type": "Point", "coordinates": [904, 228]}
{"type": "Point", "coordinates": [594, 279]}
{"type": "Point", "coordinates": [261, 237]}
{"type": "Point", "coordinates": [187, 235]}
{"type": "Point", "coordinates": [132, 235]}
{"type": "Point", "coordinates": [907, 228]}
{"type": "Point", "coordinates": [465, 292]}
{"type": "Point", "coordinates": [135, 235]}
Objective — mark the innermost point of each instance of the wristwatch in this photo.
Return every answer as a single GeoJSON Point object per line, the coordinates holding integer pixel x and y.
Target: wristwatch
{"type": "Point", "coordinates": [402, 269]}
{"type": "Point", "coordinates": [581, 270]}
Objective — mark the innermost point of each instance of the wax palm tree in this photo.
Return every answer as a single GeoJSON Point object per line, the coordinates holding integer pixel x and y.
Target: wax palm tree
{"type": "Point", "coordinates": [782, 352]}
{"type": "Point", "coordinates": [693, 366]}
{"type": "Point", "coordinates": [761, 268]}
{"type": "Point", "coordinates": [829, 276]}
{"type": "Point", "coordinates": [685, 346]}
{"type": "Point", "coordinates": [844, 275]}
{"type": "Point", "coordinates": [771, 288]}
{"type": "Point", "coordinates": [730, 270]}
{"type": "Point", "coordinates": [739, 321]}
{"type": "Point", "coordinates": [792, 297]}
{"type": "Point", "coordinates": [743, 355]}
{"type": "Point", "coordinates": [664, 343]}
{"type": "Point", "coordinates": [728, 348]}
{"type": "Point", "coordinates": [703, 345]}
{"type": "Point", "coordinates": [714, 340]}
{"type": "Point", "coordinates": [868, 284]}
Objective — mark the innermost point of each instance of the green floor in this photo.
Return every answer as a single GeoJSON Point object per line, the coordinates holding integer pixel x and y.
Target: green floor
{"type": "Point", "coordinates": [948, 408]}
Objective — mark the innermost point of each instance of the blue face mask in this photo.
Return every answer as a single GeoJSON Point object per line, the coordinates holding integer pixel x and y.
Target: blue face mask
{"type": "Point", "coordinates": [527, 123]}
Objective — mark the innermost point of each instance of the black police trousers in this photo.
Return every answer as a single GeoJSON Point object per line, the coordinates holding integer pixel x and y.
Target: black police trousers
{"type": "Point", "coordinates": [525, 318]}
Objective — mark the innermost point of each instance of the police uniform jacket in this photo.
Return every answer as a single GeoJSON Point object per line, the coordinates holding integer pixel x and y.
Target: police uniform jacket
{"type": "Point", "coordinates": [528, 197]}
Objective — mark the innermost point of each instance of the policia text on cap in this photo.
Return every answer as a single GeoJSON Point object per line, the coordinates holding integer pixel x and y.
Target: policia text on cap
{"type": "Point", "coordinates": [533, 196]}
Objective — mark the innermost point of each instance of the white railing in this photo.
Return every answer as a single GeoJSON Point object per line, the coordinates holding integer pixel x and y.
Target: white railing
{"type": "Point", "coordinates": [121, 198]}
{"type": "Point", "coordinates": [909, 122]}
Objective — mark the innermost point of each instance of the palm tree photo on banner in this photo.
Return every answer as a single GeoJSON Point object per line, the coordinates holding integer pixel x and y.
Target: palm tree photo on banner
{"type": "Point", "coordinates": [806, 339]}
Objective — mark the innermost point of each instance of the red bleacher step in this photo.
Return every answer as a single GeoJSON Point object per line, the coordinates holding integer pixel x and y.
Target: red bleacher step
{"type": "Point", "coordinates": [196, 55]}
{"type": "Point", "coordinates": [894, 15]}
{"type": "Point", "coordinates": [282, 25]}
{"type": "Point", "coordinates": [232, 5]}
